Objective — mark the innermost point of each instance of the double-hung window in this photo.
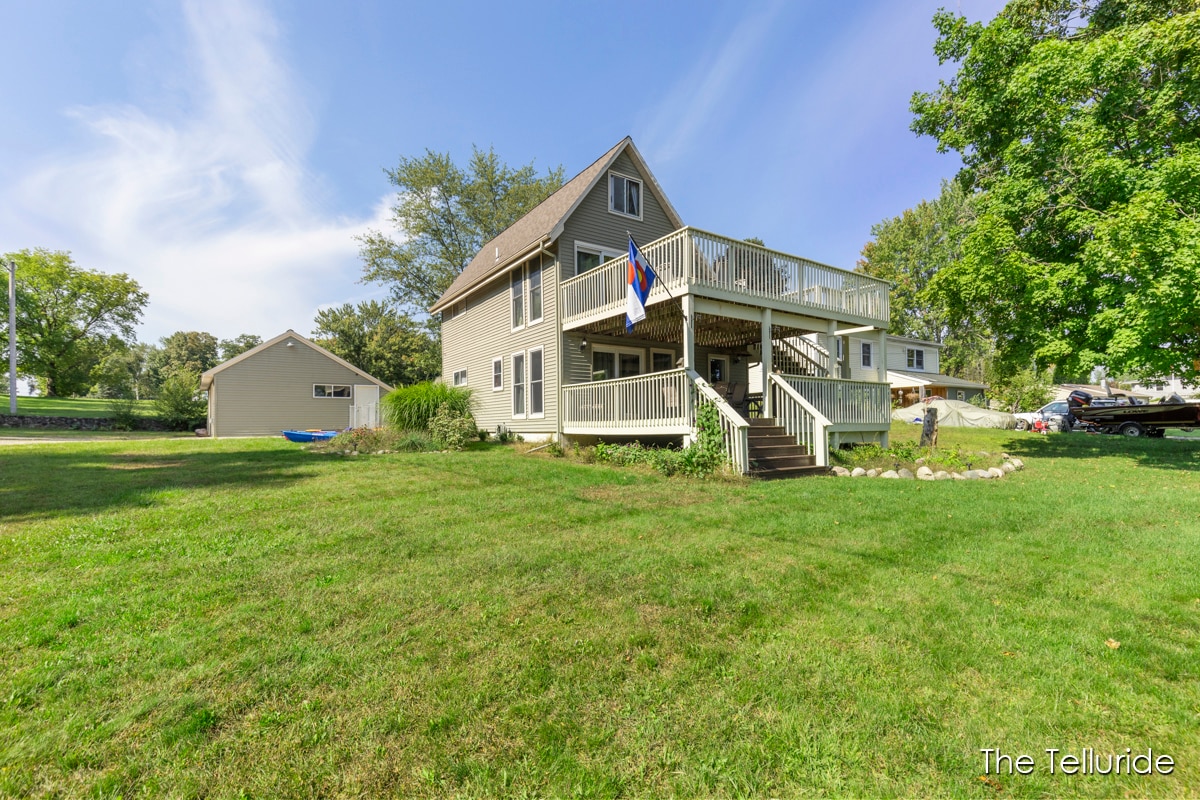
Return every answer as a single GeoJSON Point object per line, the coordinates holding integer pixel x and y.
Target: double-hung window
{"type": "Point", "coordinates": [518, 299]}
{"type": "Point", "coordinates": [536, 384]}
{"type": "Point", "coordinates": [518, 384]}
{"type": "Point", "coordinates": [497, 374]}
{"type": "Point", "coordinates": [866, 354]}
{"type": "Point", "coordinates": [916, 358]}
{"type": "Point", "coordinates": [624, 195]}
{"type": "Point", "coordinates": [534, 272]}
{"type": "Point", "coordinates": [460, 377]}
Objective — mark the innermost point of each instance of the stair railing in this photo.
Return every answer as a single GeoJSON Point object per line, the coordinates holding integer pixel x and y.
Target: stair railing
{"type": "Point", "coordinates": [734, 428]}
{"type": "Point", "coordinates": [805, 354]}
{"type": "Point", "coordinates": [800, 418]}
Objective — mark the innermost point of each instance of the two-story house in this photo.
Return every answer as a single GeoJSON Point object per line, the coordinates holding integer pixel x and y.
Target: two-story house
{"type": "Point", "coordinates": [535, 325]}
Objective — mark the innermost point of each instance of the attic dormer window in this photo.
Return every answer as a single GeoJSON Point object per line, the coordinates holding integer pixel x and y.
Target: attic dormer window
{"type": "Point", "coordinates": [624, 195]}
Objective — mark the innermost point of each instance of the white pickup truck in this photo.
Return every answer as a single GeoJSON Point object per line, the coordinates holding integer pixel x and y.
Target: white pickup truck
{"type": "Point", "coordinates": [1046, 414]}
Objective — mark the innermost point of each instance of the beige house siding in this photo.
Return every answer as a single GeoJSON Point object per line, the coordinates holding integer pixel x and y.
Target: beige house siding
{"type": "Point", "coordinates": [593, 223]}
{"type": "Point", "coordinates": [578, 367]}
{"type": "Point", "coordinates": [484, 332]}
{"type": "Point", "coordinates": [272, 390]}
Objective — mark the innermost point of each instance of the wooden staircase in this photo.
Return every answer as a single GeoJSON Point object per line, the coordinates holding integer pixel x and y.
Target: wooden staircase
{"type": "Point", "coordinates": [775, 454]}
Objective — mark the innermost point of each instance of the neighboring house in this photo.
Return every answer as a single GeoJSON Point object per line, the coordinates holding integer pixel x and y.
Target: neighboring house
{"type": "Point", "coordinates": [535, 326]}
{"type": "Point", "coordinates": [289, 383]}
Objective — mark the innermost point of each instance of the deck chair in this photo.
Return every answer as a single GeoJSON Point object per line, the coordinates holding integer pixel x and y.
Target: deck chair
{"type": "Point", "coordinates": [737, 397]}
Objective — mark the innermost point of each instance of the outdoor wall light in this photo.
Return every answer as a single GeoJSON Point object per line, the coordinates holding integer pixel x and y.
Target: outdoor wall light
{"type": "Point", "coordinates": [582, 344]}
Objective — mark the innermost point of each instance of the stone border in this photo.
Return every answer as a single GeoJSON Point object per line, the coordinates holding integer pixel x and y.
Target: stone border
{"type": "Point", "coordinates": [76, 423]}
{"type": "Point", "coordinates": [924, 473]}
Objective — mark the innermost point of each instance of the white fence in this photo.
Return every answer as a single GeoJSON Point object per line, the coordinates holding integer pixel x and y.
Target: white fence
{"type": "Point", "coordinates": [692, 257]}
{"type": "Point", "coordinates": [800, 418]}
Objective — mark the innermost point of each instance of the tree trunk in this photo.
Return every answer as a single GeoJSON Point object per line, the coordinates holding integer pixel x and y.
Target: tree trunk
{"type": "Point", "coordinates": [929, 430]}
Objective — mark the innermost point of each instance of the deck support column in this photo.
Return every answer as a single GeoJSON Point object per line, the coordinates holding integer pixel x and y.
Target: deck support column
{"type": "Point", "coordinates": [689, 332]}
{"type": "Point", "coordinates": [768, 363]}
{"type": "Point", "coordinates": [881, 359]}
{"type": "Point", "coordinates": [831, 345]}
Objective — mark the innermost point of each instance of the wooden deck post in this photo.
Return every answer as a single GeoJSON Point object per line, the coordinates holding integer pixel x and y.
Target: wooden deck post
{"type": "Point", "coordinates": [881, 359]}
{"type": "Point", "coordinates": [831, 344]}
{"type": "Point", "coordinates": [768, 362]}
{"type": "Point", "coordinates": [689, 332]}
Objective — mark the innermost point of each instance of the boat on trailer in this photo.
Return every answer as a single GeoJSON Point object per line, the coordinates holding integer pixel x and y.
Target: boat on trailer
{"type": "Point", "coordinates": [1136, 420]}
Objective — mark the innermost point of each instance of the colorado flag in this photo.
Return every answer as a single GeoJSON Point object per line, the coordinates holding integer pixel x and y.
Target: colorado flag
{"type": "Point", "coordinates": [641, 278]}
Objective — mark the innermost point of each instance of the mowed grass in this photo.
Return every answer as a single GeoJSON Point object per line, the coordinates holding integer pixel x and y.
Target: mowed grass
{"type": "Point", "coordinates": [81, 407]}
{"type": "Point", "coordinates": [244, 618]}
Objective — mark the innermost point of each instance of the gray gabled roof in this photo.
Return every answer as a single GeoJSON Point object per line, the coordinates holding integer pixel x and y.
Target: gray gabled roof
{"type": "Point", "coordinates": [931, 379]}
{"type": "Point", "coordinates": [206, 378]}
{"type": "Point", "coordinates": [543, 224]}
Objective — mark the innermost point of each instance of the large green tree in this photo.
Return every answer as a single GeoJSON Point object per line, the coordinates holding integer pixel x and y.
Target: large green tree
{"type": "Point", "coordinates": [444, 214]}
{"type": "Point", "coordinates": [1078, 121]}
{"type": "Point", "coordinates": [68, 319]}
{"type": "Point", "coordinates": [191, 352]}
{"type": "Point", "coordinates": [380, 340]}
{"type": "Point", "coordinates": [910, 250]}
{"type": "Point", "coordinates": [238, 345]}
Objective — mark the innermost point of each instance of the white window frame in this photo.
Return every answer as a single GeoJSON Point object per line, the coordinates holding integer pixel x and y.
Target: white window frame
{"type": "Point", "coordinates": [606, 254]}
{"type": "Point", "coordinates": [519, 275]}
{"type": "Point", "coordinates": [498, 386]}
{"type": "Point", "coordinates": [457, 381]}
{"type": "Point", "coordinates": [962, 395]}
{"type": "Point", "coordinates": [657, 350]}
{"type": "Point", "coordinates": [529, 318]}
{"type": "Point", "coordinates": [515, 385]}
{"type": "Point", "coordinates": [617, 350]}
{"type": "Point", "coordinates": [641, 195]}
{"type": "Point", "coordinates": [866, 355]}
{"type": "Point", "coordinates": [456, 310]}
{"type": "Point", "coordinates": [529, 412]}
{"type": "Point", "coordinates": [711, 357]}
{"type": "Point", "coordinates": [910, 357]}
{"type": "Point", "coordinates": [332, 388]}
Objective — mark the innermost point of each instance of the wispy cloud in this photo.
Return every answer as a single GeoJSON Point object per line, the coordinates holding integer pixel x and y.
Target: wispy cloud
{"type": "Point", "coordinates": [213, 210]}
{"type": "Point", "coordinates": [709, 88]}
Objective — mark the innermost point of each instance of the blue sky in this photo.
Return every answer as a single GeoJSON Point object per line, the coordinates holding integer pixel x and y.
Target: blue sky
{"type": "Point", "coordinates": [225, 154]}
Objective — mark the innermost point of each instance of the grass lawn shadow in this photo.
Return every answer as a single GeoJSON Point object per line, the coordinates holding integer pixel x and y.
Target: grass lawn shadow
{"type": "Point", "coordinates": [1158, 453]}
{"type": "Point", "coordinates": [48, 481]}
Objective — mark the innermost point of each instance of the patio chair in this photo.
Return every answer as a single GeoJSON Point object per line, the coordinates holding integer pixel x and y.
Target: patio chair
{"type": "Point", "coordinates": [737, 397]}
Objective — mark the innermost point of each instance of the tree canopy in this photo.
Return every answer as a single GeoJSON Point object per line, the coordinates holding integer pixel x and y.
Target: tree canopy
{"type": "Point", "coordinates": [238, 345]}
{"type": "Point", "coordinates": [68, 319]}
{"type": "Point", "coordinates": [1077, 123]}
{"type": "Point", "coordinates": [380, 340]}
{"type": "Point", "coordinates": [444, 215]}
{"type": "Point", "coordinates": [192, 352]}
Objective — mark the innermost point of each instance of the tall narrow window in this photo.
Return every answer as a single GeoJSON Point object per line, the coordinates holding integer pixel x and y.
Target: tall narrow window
{"type": "Point", "coordinates": [518, 384]}
{"type": "Point", "coordinates": [497, 374]}
{"type": "Point", "coordinates": [535, 290]}
{"type": "Point", "coordinates": [518, 300]}
{"type": "Point", "coordinates": [536, 409]}
{"type": "Point", "coordinates": [866, 354]}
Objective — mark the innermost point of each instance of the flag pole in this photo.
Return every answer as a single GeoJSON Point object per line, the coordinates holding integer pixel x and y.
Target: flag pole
{"type": "Point", "coordinates": [12, 337]}
{"type": "Point", "coordinates": [663, 284]}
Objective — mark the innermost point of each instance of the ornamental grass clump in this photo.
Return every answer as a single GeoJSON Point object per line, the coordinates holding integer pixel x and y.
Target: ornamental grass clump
{"type": "Point", "coordinates": [412, 407]}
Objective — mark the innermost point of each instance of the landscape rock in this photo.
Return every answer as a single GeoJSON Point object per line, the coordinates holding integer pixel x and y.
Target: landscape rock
{"type": "Point", "coordinates": [958, 476]}
{"type": "Point", "coordinates": [906, 473]}
{"type": "Point", "coordinates": [891, 473]}
{"type": "Point", "coordinates": [924, 473]}
{"type": "Point", "coordinates": [941, 475]}
{"type": "Point", "coordinates": [920, 461]}
{"type": "Point", "coordinates": [985, 474]}
{"type": "Point", "coordinates": [996, 472]}
{"type": "Point", "coordinates": [872, 473]}
{"type": "Point", "coordinates": [1007, 466]}
{"type": "Point", "coordinates": [841, 472]}
{"type": "Point", "coordinates": [1018, 463]}
{"type": "Point", "coordinates": [857, 472]}
{"type": "Point", "coordinates": [971, 474]}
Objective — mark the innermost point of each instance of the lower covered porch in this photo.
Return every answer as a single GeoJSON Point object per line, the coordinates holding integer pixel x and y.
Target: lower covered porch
{"type": "Point", "coordinates": [781, 398]}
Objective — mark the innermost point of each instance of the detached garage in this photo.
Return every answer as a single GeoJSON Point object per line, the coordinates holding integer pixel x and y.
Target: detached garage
{"type": "Point", "coordinates": [289, 383]}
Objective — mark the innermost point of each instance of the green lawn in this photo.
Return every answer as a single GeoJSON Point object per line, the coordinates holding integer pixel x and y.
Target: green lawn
{"type": "Point", "coordinates": [244, 618]}
{"type": "Point", "coordinates": [88, 407]}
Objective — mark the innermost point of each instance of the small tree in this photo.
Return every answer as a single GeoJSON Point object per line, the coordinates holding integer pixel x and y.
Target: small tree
{"type": "Point", "coordinates": [179, 404]}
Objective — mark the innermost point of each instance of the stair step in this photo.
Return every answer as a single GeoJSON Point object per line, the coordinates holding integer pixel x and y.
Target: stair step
{"type": "Point", "coordinates": [771, 440]}
{"type": "Point", "coordinates": [763, 422]}
{"type": "Point", "coordinates": [781, 462]}
{"type": "Point", "coordinates": [788, 472]}
{"type": "Point", "coordinates": [792, 449]}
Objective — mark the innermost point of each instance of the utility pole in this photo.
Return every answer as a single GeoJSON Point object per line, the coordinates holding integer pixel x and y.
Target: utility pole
{"type": "Point", "coordinates": [12, 337]}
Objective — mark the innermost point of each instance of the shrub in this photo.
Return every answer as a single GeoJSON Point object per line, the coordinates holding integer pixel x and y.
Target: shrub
{"type": "Point", "coordinates": [375, 440]}
{"type": "Point", "coordinates": [123, 414]}
{"type": "Point", "coordinates": [452, 429]}
{"type": "Point", "coordinates": [705, 457]}
{"type": "Point", "coordinates": [179, 403]}
{"type": "Point", "coordinates": [412, 407]}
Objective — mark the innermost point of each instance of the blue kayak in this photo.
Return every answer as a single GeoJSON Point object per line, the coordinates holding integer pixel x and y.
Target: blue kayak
{"type": "Point", "coordinates": [309, 436]}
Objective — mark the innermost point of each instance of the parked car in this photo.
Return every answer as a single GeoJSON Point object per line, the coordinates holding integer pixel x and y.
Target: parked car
{"type": "Point", "coordinates": [1046, 413]}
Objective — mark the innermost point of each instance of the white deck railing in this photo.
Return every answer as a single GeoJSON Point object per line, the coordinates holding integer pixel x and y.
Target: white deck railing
{"type": "Point", "coordinates": [800, 418]}
{"type": "Point", "coordinates": [658, 404]}
{"type": "Point", "coordinates": [690, 257]}
{"type": "Point", "coordinates": [735, 429]}
{"type": "Point", "coordinates": [846, 402]}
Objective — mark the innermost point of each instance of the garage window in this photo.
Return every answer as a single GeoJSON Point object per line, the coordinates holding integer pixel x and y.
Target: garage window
{"type": "Point", "coordinates": [330, 390]}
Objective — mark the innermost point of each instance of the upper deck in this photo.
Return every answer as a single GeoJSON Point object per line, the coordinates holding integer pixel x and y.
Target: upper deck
{"type": "Point", "coordinates": [692, 261]}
